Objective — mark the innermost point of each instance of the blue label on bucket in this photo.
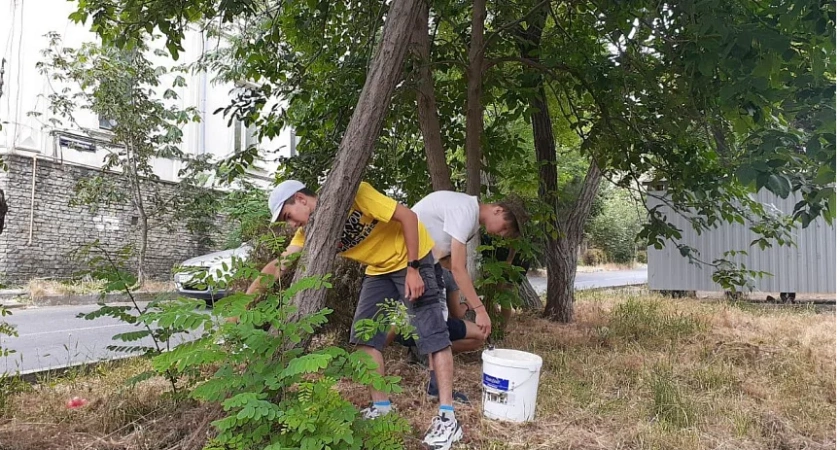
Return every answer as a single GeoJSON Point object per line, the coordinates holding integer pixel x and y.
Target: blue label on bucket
{"type": "Point", "coordinates": [496, 383]}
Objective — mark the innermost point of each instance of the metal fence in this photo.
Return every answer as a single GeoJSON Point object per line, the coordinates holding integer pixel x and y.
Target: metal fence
{"type": "Point", "coordinates": [808, 267]}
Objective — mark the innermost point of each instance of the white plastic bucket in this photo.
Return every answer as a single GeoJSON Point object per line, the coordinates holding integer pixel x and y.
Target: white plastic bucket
{"type": "Point", "coordinates": [510, 380]}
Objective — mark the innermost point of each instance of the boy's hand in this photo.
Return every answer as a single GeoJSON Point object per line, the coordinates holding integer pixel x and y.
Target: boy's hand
{"type": "Point", "coordinates": [482, 320]}
{"type": "Point", "coordinates": [414, 286]}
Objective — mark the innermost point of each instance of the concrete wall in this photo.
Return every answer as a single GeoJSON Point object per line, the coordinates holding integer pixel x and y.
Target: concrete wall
{"type": "Point", "coordinates": [57, 229]}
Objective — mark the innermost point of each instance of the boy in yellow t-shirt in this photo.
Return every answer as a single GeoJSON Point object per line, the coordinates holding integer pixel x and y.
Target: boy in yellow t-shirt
{"type": "Point", "coordinates": [387, 237]}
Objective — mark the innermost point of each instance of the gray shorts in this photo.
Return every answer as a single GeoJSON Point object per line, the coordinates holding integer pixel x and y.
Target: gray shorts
{"type": "Point", "coordinates": [426, 318]}
{"type": "Point", "coordinates": [449, 281]}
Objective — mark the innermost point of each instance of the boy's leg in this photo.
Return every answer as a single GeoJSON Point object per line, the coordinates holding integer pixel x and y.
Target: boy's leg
{"type": "Point", "coordinates": [376, 355]}
{"type": "Point", "coordinates": [389, 339]}
{"type": "Point", "coordinates": [467, 338]}
{"type": "Point", "coordinates": [430, 326]}
{"type": "Point", "coordinates": [374, 292]}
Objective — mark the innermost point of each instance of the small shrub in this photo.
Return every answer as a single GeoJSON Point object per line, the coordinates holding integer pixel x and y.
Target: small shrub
{"type": "Point", "coordinates": [615, 228]}
{"type": "Point", "coordinates": [495, 288]}
{"type": "Point", "coordinates": [273, 392]}
{"type": "Point", "coordinates": [594, 257]}
{"type": "Point", "coordinates": [9, 384]}
{"type": "Point", "coordinates": [641, 257]}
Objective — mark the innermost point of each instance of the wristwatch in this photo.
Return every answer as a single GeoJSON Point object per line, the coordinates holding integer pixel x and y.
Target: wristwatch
{"type": "Point", "coordinates": [414, 264]}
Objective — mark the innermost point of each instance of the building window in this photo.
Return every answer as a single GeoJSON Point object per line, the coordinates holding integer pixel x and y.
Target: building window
{"type": "Point", "coordinates": [106, 123]}
{"type": "Point", "coordinates": [245, 136]}
{"type": "Point", "coordinates": [76, 144]}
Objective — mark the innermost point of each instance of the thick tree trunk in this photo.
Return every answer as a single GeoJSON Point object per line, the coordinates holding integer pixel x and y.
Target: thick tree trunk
{"type": "Point", "coordinates": [475, 111]}
{"type": "Point", "coordinates": [560, 292]}
{"type": "Point", "coordinates": [427, 107]}
{"type": "Point", "coordinates": [530, 299]}
{"type": "Point", "coordinates": [561, 249]}
{"type": "Point", "coordinates": [562, 253]}
{"type": "Point", "coordinates": [355, 150]}
{"type": "Point", "coordinates": [562, 268]}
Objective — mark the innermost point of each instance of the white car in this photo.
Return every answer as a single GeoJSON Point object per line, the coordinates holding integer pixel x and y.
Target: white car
{"type": "Point", "coordinates": [194, 277]}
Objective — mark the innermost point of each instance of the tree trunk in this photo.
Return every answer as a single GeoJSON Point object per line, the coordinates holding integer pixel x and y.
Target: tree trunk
{"type": "Point", "coordinates": [427, 106]}
{"type": "Point", "coordinates": [355, 150]}
{"type": "Point", "coordinates": [567, 231]}
{"type": "Point", "coordinates": [562, 254]}
{"type": "Point", "coordinates": [530, 299]}
{"type": "Point", "coordinates": [475, 111]}
{"type": "Point", "coordinates": [143, 221]}
{"type": "Point", "coordinates": [142, 217]}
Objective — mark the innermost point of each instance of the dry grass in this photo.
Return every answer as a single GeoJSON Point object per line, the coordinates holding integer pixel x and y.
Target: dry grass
{"type": "Point", "coordinates": [643, 372]}
{"type": "Point", "coordinates": [143, 417]}
{"type": "Point", "coordinates": [632, 372]}
{"type": "Point", "coordinates": [157, 286]}
{"type": "Point", "coordinates": [39, 288]}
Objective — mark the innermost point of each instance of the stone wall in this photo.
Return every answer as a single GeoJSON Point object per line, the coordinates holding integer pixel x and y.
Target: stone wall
{"type": "Point", "coordinates": [57, 229]}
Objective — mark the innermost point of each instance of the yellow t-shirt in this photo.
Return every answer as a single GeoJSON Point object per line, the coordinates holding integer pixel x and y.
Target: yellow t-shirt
{"type": "Point", "coordinates": [371, 238]}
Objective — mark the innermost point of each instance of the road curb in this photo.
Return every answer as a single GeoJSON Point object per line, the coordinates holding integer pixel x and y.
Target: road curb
{"type": "Point", "coordinates": [603, 288]}
{"type": "Point", "coordinates": [12, 304]}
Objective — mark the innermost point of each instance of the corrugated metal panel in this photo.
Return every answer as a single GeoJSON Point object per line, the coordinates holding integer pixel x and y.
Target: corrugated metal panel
{"type": "Point", "coordinates": [809, 267]}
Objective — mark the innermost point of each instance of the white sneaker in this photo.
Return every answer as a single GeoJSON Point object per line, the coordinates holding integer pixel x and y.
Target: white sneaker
{"type": "Point", "coordinates": [443, 433]}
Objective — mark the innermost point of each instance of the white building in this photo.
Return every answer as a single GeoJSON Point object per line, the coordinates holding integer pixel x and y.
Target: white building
{"type": "Point", "coordinates": [23, 26]}
{"type": "Point", "coordinates": [43, 227]}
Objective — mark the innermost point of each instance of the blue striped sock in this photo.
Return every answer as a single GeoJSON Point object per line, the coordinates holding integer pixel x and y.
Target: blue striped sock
{"type": "Point", "coordinates": [447, 411]}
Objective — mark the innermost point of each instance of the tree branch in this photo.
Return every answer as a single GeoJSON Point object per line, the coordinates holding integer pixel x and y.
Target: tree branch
{"type": "Point", "coordinates": [512, 23]}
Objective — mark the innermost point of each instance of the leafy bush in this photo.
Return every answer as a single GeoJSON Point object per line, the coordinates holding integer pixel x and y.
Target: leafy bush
{"type": "Point", "coordinates": [7, 330]}
{"type": "Point", "coordinates": [641, 257]}
{"type": "Point", "coordinates": [615, 229]}
{"type": "Point", "coordinates": [594, 256]}
{"type": "Point", "coordinates": [275, 393]}
{"type": "Point", "coordinates": [248, 210]}
{"type": "Point", "coordinates": [497, 280]}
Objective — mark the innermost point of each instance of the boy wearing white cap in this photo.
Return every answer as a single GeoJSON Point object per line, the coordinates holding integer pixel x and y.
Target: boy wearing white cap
{"type": "Point", "coordinates": [396, 248]}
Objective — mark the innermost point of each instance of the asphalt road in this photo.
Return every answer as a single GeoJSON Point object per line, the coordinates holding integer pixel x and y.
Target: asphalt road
{"type": "Point", "coordinates": [52, 337]}
{"type": "Point", "coordinates": [593, 280]}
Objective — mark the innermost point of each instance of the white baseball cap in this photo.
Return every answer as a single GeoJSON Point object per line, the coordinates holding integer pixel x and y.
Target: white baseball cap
{"type": "Point", "coordinates": [280, 194]}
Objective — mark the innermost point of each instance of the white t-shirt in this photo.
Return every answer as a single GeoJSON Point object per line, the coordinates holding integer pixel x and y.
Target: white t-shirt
{"type": "Point", "coordinates": [448, 215]}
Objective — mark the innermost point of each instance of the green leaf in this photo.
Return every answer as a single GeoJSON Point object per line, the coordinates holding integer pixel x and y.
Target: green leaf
{"type": "Point", "coordinates": [779, 185]}
{"type": "Point", "coordinates": [825, 175]}
{"type": "Point", "coordinates": [746, 175]}
{"type": "Point", "coordinates": [132, 336]}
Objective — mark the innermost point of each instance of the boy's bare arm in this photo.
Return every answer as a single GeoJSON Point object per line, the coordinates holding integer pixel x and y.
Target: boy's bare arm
{"type": "Point", "coordinates": [273, 271]}
{"type": "Point", "coordinates": [465, 284]}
